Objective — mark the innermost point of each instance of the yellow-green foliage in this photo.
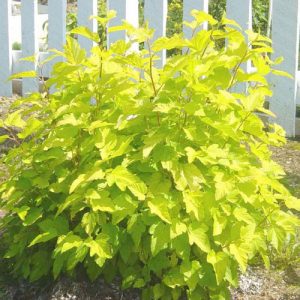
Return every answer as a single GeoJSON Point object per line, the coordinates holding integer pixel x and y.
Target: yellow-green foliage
{"type": "Point", "coordinates": [160, 176]}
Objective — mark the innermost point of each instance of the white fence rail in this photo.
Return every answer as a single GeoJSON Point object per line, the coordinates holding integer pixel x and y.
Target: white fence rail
{"type": "Point", "coordinates": [285, 34]}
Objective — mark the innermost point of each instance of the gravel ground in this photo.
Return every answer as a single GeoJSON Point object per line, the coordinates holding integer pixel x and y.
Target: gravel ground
{"type": "Point", "coordinates": [256, 284]}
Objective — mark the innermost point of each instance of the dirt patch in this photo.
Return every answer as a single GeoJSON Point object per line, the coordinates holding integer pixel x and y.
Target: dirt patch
{"type": "Point", "coordinates": [289, 157]}
{"type": "Point", "coordinates": [261, 284]}
{"type": "Point", "coordinates": [68, 289]}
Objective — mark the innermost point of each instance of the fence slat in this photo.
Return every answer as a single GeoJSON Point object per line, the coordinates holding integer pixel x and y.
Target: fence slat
{"type": "Point", "coordinates": [126, 10]}
{"type": "Point", "coordinates": [29, 12]}
{"type": "Point", "coordinates": [188, 6]}
{"type": "Point", "coordinates": [57, 13]}
{"type": "Point", "coordinates": [241, 12]}
{"type": "Point", "coordinates": [5, 48]}
{"type": "Point", "coordinates": [285, 35]}
{"type": "Point", "coordinates": [156, 13]}
{"type": "Point", "coordinates": [86, 9]}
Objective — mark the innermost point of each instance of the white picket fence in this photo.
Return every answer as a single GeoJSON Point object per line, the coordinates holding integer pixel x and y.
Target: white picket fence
{"type": "Point", "coordinates": [285, 35]}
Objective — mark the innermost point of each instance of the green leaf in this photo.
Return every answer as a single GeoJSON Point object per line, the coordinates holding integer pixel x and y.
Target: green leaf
{"type": "Point", "coordinates": [58, 265]}
{"type": "Point", "coordinates": [77, 182]}
{"type": "Point", "coordinates": [100, 201]}
{"type": "Point", "coordinates": [99, 247]}
{"type": "Point", "coordinates": [241, 214]}
{"type": "Point", "coordinates": [26, 74]}
{"type": "Point", "coordinates": [84, 31]}
{"type": "Point", "coordinates": [70, 241]}
{"type": "Point", "coordinates": [3, 138]}
{"type": "Point", "coordinates": [31, 127]}
{"type": "Point", "coordinates": [136, 228]}
{"type": "Point", "coordinates": [219, 223]}
{"type": "Point", "coordinates": [175, 41]}
{"type": "Point", "coordinates": [70, 200]}
{"type": "Point", "coordinates": [192, 273]}
{"type": "Point", "coordinates": [159, 207]}
{"type": "Point", "coordinates": [31, 58]}
{"type": "Point", "coordinates": [22, 211]}
{"type": "Point", "coordinates": [193, 203]}
{"type": "Point", "coordinates": [174, 278]}
{"type": "Point", "coordinates": [182, 246]}
{"type": "Point", "coordinates": [124, 207]}
{"type": "Point", "coordinates": [282, 73]}
{"type": "Point", "coordinates": [125, 179]}
{"type": "Point", "coordinates": [60, 224]}
{"type": "Point", "coordinates": [201, 17]}
{"type": "Point", "coordinates": [32, 216]}
{"type": "Point", "coordinates": [160, 238]}
{"type": "Point", "coordinates": [223, 186]}
{"type": "Point", "coordinates": [220, 262]}
{"type": "Point", "coordinates": [44, 237]}
{"type": "Point", "coordinates": [89, 222]}
{"type": "Point", "coordinates": [193, 176]}
{"type": "Point", "coordinates": [240, 253]}
{"type": "Point", "coordinates": [292, 203]}
{"type": "Point", "coordinates": [76, 257]}
{"type": "Point", "coordinates": [15, 120]}
{"type": "Point", "coordinates": [197, 235]}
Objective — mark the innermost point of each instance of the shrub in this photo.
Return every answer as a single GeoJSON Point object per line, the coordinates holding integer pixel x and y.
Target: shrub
{"type": "Point", "coordinates": [163, 176]}
{"type": "Point", "coordinates": [16, 46]}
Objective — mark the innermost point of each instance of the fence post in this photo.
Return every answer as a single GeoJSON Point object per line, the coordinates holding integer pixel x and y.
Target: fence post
{"type": "Point", "coordinates": [126, 10]}
{"type": "Point", "coordinates": [86, 9]}
{"type": "Point", "coordinates": [57, 13]}
{"type": "Point", "coordinates": [156, 13]}
{"type": "Point", "coordinates": [241, 12]}
{"type": "Point", "coordinates": [188, 6]}
{"type": "Point", "coordinates": [5, 48]}
{"type": "Point", "coordinates": [29, 13]}
{"type": "Point", "coordinates": [285, 35]}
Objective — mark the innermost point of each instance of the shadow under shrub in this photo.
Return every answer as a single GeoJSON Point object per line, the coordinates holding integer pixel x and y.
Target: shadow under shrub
{"type": "Point", "coordinates": [160, 176]}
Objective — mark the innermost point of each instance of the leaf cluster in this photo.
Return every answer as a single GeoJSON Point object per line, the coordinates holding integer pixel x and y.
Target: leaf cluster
{"type": "Point", "coordinates": [163, 176]}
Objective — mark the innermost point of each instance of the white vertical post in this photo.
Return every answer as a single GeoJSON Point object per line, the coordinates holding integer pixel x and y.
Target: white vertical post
{"type": "Point", "coordinates": [5, 48]}
{"type": "Point", "coordinates": [57, 14]}
{"type": "Point", "coordinates": [29, 12]}
{"type": "Point", "coordinates": [270, 18]}
{"type": "Point", "coordinates": [156, 12]}
{"type": "Point", "coordinates": [188, 6]}
{"type": "Point", "coordinates": [241, 12]}
{"type": "Point", "coordinates": [285, 35]}
{"type": "Point", "coordinates": [86, 9]}
{"type": "Point", "coordinates": [126, 10]}
{"type": "Point", "coordinates": [57, 24]}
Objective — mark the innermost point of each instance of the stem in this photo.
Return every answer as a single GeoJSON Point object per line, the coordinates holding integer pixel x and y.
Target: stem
{"type": "Point", "coordinates": [266, 217]}
{"type": "Point", "coordinates": [13, 136]}
{"type": "Point", "coordinates": [206, 46]}
{"type": "Point", "coordinates": [151, 68]}
{"type": "Point", "coordinates": [235, 71]}
{"type": "Point", "coordinates": [193, 33]}
{"type": "Point", "coordinates": [152, 78]}
{"type": "Point", "coordinates": [101, 67]}
{"type": "Point", "coordinates": [158, 118]}
{"type": "Point", "coordinates": [244, 120]}
{"type": "Point", "coordinates": [185, 119]}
